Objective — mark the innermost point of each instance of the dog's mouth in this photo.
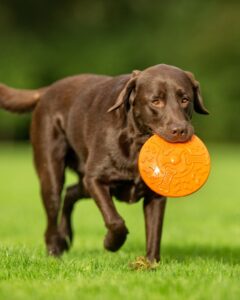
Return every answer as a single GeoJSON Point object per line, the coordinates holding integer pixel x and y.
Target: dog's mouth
{"type": "Point", "coordinates": [176, 139]}
{"type": "Point", "coordinates": [181, 138]}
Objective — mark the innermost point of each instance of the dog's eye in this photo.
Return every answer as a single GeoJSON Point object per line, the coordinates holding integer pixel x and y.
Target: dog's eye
{"type": "Point", "coordinates": [184, 101]}
{"type": "Point", "coordinates": [158, 102]}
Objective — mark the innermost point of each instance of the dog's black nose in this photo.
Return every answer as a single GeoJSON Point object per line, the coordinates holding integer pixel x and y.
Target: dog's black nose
{"type": "Point", "coordinates": [178, 131]}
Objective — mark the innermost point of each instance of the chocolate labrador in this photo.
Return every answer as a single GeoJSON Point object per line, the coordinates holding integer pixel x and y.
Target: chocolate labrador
{"type": "Point", "coordinates": [96, 125]}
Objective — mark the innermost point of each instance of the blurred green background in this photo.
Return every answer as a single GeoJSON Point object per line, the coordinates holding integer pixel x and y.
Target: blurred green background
{"type": "Point", "coordinates": [42, 41]}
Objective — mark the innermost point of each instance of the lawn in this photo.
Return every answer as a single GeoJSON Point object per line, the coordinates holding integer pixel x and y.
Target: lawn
{"type": "Point", "coordinates": [200, 246]}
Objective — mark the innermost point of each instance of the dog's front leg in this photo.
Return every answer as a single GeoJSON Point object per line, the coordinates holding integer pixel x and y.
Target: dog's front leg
{"type": "Point", "coordinates": [117, 231]}
{"type": "Point", "coordinates": [154, 207]}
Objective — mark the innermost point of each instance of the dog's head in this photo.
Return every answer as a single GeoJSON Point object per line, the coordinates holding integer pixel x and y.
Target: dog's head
{"type": "Point", "coordinates": [161, 100]}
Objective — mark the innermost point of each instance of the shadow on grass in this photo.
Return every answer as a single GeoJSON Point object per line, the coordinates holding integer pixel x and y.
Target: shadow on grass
{"type": "Point", "coordinates": [226, 255]}
{"type": "Point", "coordinates": [176, 253]}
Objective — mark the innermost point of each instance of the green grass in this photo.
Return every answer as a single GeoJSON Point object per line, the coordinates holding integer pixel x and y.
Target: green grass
{"type": "Point", "coordinates": [200, 246]}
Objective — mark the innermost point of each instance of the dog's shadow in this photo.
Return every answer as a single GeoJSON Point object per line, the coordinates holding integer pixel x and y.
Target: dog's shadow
{"type": "Point", "coordinates": [196, 255]}
{"type": "Point", "coordinates": [175, 253]}
{"type": "Point", "coordinates": [223, 254]}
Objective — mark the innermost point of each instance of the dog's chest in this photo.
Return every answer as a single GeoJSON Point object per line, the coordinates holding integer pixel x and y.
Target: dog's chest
{"type": "Point", "coordinates": [122, 169]}
{"type": "Point", "coordinates": [123, 156]}
{"type": "Point", "coordinates": [129, 191]}
{"type": "Point", "coordinates": [129, 186]}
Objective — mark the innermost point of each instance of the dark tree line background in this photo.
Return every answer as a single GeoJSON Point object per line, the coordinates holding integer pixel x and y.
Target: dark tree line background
{"type": "Point", "coordinates": [42, 41]}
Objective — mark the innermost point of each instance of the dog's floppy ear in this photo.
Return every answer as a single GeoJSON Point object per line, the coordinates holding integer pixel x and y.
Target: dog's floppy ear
{"type": "Point", "coordinates": [198, 101]}
{"type": "Point", "coordinates": [124, 95]}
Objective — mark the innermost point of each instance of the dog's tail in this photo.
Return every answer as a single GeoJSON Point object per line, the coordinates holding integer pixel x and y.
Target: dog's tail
{"type": "Point", "coordinates": [19, 101]}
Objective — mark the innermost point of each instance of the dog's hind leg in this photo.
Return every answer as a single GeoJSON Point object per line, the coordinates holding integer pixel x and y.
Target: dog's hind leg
{"type": "Point", "coordinates": [73, 194]}
{"type": "Point", "coordinates": [50, 148]}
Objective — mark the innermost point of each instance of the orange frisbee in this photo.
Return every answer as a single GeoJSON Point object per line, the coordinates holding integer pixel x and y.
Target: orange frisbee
{"type": "Point", "coordinates": [174, 169]}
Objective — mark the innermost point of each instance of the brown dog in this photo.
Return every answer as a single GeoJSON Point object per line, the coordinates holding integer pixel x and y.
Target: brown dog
{"type": "Point", "coordinates": [96, 126]}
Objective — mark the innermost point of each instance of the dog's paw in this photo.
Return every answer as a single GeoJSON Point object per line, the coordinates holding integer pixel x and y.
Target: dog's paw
{"type": "Point", "coordinates": [115, 239]}
{"type": "Point", "coordinates": [57, 246]}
